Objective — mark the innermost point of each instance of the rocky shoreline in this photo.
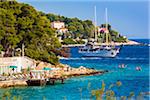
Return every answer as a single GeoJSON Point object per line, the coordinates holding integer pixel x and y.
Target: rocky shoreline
{"type": "Point", "coordinates": [65, 72]}
{"type": "Point", "coordinates": [12, 83]}
{"type": "Point", "coordinates": [87, 74]}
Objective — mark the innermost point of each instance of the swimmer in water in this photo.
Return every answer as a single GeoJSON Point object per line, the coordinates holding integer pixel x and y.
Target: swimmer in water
{"type": "Point", "coordinates": [138, 68]}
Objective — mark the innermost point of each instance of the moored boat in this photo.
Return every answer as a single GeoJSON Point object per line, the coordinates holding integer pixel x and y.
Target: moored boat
{"type": "Point", "coordinates": [93, 50]}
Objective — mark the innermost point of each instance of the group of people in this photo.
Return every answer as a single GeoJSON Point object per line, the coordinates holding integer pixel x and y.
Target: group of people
{"type": "Point", "coordinates": [122, 66]}
{"type": "Point", "coordinates": [138, 68]}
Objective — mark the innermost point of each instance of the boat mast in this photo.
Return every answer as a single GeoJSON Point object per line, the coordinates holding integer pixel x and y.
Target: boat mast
{"type": "Point", "coordinates": [95, 23]}
{"type": "Point", "coordinates": [107, 31]}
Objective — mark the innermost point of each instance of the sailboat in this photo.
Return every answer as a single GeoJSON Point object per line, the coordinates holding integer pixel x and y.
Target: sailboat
{"type": "Point", "coordinates": [93, 50]}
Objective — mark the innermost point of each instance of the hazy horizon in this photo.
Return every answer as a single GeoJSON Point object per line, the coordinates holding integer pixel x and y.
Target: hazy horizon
{"type": "Point", "coordinates": [128, 18]}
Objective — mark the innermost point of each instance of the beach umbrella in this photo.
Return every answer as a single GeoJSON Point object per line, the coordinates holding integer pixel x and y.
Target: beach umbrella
{"type": "Point", "coordinates": [12, 66]}
{"type": "Point", "coordinates": [46, 68]}
{"type": "Point", "coordinates": [55, 68]}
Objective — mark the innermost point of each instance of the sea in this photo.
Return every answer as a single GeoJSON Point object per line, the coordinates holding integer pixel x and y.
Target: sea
{"type": "Point", "coordinates": [79, 88]}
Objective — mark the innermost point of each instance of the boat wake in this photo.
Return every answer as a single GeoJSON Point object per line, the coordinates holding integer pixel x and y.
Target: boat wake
{"type": "Point", "coordinates": [129, 58]}
{"type": "Point", "coordinates": [82, 58]}
{"type": "Point", "coordinates": [97, 58]}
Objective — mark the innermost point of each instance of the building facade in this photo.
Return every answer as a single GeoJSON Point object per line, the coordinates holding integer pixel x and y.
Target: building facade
{"type": "Point", "coordinates": [19, 62]}
{"type": "Point", "coordinates": [58, 25]}
{"type": "Point", "coordinates": [62, 30]}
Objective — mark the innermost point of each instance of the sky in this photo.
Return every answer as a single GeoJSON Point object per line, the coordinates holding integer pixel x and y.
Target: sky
{"type": "Point", "coordinates": [129, 17]}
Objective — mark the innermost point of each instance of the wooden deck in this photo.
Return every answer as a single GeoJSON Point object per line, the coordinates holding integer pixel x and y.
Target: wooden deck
{"type": "Point", "coordinates": [43, 82]}
{"type": "Point", "coordinates": [51, 81]}
{"type": "Point", "coordinates": [36, 82]}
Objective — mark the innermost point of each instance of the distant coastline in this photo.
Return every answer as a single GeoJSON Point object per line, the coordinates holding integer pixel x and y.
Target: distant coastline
{"type": "Point", "coordinates": [130, 42]}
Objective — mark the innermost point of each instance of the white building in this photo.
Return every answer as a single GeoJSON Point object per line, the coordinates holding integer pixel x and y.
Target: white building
{"type": "Point", "coordinates": [58, 24]}
{"type": "Point", "coordinates": [62, 30]}
{"type": "Point", "coordinates": [19, 62]}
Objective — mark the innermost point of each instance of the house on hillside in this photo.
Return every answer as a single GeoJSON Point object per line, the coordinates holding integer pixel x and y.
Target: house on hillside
{"type": "Point", "coordinates": [57, 25]}
{"type": "Point", "coordinates": [60, 29]}
{"type": "Point", "coordinates": [101, 30]}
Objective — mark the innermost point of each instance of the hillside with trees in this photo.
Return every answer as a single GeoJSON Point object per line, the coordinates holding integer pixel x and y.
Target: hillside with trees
{"type": "Point", "coordinates": [21, 24]}
{"type": "Point", "coordinates": [83, 30]}
{"type": "Point", "coordinates": [76, 27]}
{"type": "Point", "coordinates": [112, 36]}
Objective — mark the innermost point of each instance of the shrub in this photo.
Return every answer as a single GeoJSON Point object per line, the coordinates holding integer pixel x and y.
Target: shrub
{"type": "Point", "coordinates": [68, 41]}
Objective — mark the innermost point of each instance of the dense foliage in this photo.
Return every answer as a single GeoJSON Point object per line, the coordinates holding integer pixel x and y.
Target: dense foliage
{"type": "Point", "coordinates": [72, 41]}
{"type": "Point", "coordinates": [76, 27]}
{"type": "Point", "coordinates": [22, 24]}
{"type": "Point", "coordinates": [112, 36]}
{"type": "Point", "coordinates": [84, 29]}
{"type": "Point", "coordinates": [69, 41]}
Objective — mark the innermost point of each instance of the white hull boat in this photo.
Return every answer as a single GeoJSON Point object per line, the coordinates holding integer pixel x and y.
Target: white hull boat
{"type": "Point", "coordinates": [92, 50]}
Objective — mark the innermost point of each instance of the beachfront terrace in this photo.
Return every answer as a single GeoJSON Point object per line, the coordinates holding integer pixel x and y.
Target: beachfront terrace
{"type": "Point", "coordinates": [10, 65]}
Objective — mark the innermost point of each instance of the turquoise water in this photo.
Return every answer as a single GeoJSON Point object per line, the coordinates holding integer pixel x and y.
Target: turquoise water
{"type": "Point", "coordinates": [132, 80]}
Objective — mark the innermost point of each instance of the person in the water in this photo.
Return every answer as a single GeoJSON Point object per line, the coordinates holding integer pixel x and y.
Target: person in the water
{"type": "Point", "coordinates": [122, 66]}
{"type": "Point", "coordinates": [138, 68]}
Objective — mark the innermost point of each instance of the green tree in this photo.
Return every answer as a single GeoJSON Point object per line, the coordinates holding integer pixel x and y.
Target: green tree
{"type": "Point", "coordinates": [21, 23]}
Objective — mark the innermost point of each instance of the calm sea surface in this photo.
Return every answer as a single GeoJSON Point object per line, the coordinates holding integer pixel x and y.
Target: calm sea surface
{"type": "Point", "coordinates": [80, 87]}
